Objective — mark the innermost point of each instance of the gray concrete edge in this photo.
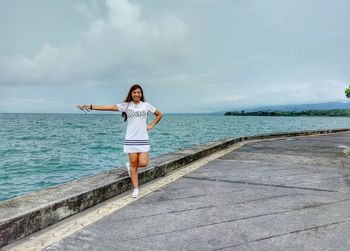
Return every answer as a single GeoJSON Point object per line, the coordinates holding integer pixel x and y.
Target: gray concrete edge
{"type": "Point", "coordinates": [24, 215]}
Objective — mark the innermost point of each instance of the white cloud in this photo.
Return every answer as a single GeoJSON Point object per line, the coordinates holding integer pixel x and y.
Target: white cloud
{"type": "Point", "coordinates": [125, 16]}
{"type": "Point", "coordinates": [116, 46]}
{"type": "Point", "coordinates": [86, 11]}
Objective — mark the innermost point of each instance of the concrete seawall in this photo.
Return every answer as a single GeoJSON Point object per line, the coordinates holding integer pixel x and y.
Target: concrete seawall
{"type": "Point", "coordinates": [24, 215]}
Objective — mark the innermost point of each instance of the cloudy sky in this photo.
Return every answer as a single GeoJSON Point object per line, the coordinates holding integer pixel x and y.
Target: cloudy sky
{"type": "Point", "coordinates": [189, 55]}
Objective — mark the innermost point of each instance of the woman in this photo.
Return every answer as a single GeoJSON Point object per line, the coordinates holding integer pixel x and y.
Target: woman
{"type": "Point", "coordinates": [134, 110]}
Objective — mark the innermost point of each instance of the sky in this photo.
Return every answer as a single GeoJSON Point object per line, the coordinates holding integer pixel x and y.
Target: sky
{"type": "Point", "coordinates": [188, 55]}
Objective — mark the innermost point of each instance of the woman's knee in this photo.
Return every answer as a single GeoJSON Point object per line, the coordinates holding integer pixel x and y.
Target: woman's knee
{"type": "Point", "coordinates": [134, 164]}
{"type": "Point", "coordinates": [143, 159]}
{"type": "Point", "coordinates": [143, 163]}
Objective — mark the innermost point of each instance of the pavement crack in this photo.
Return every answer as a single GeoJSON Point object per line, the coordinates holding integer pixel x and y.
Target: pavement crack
{"type": "Point", "coordinates": [279, 235]}
{"type": "Point", "coordinates": [325, 179]}
{"type": "Point", "coordinates": [184, 198]}
{"type": "Point", "coordinates": [276, 170]}
{"type": "Point", "coordinates": [165, 213]}
{"type": "Point", "coordinates": [259, 184]}
{"type": "Point", "coordinates": [190, 197]}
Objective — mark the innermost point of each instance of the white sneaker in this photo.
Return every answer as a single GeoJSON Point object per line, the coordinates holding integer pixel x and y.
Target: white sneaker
{"type": "Point", "coordinates": [128, 168]}
{"type": "Point", "coordinates": [135, 193]}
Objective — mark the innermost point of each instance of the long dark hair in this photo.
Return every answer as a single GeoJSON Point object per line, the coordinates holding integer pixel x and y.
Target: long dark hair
{"type": "Point", "coordinates": [129, 98]}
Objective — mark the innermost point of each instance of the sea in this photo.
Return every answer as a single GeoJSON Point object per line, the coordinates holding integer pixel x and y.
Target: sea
{"type": "Point", "coordinates": [38, 151]}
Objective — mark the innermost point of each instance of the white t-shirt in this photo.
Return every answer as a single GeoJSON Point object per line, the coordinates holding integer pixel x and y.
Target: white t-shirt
{"type": "Point", "coordinates": [136, 130]}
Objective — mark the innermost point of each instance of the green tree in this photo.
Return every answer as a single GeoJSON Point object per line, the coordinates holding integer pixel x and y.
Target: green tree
{"type": "Point", "coordinates": [347, 92]}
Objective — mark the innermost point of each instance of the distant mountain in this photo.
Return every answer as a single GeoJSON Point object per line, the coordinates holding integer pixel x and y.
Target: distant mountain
{"type": "Point", "coordinates": [303, 107]}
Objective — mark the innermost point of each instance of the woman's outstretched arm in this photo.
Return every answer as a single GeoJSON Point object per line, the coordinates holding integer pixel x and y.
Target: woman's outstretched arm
{"type": "Point", "coordinates": [113, 108]}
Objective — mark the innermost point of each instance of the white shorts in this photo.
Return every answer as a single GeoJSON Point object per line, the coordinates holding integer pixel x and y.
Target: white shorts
{"type": "Point", "coordinates": [136, 149]}
{"type": "Point", "coordinates": [136, 146]}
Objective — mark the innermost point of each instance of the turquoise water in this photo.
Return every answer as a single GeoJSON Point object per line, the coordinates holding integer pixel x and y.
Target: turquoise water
{"type": "Point", "coordinates": [43, 150]}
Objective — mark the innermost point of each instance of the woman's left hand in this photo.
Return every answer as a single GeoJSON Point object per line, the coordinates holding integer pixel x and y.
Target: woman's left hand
{"type": "Point", "coordinates": [149, 127]}
{"type": "Point", "coordinates": [83, 107]}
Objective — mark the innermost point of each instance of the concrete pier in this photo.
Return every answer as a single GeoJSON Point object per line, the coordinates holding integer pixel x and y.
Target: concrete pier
{"type": "Point", "coordinates": [282, 193]}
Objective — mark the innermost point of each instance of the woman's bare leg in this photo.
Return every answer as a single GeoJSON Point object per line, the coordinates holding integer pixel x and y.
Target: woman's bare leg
{"type": "Point", "coordinates": [134, 162]}
{"type": "Point", "coordinates": [143, 159]}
